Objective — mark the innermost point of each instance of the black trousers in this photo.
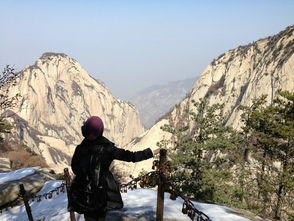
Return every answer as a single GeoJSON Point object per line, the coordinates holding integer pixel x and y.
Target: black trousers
{"type": "Point", "coordinates": [95, 216]}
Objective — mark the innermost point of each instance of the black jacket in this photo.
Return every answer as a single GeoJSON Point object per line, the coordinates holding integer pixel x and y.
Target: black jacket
{"type": "Point", "coordinates": [104, 151]}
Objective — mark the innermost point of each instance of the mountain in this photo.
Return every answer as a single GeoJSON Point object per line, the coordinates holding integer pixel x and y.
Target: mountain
{"type": "Point", "coordinates": [156, 100]}
{"type": "Point", "coordinates": [56, 96]}
{"type": "Point", "coordinates": [234, 78]}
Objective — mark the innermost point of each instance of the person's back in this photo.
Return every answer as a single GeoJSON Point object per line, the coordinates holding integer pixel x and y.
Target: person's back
{"type": "Point", "coordinates": [94, 190]}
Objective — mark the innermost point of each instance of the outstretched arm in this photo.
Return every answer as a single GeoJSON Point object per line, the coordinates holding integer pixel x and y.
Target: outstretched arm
{"type": "Point", "coordinates": [136, 156]}
{"type": "Point", "coordinates": [130, 156]}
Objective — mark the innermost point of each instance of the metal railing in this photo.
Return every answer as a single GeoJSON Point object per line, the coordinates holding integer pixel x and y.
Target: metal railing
{"type": "Point", "coordinates": [158, 178]}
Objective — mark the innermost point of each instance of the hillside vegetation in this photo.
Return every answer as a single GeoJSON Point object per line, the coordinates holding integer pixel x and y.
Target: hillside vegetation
{"type": "Point", "coordinates": [20, 156]}
{"type": "Point", "coordinates": [251, 169]}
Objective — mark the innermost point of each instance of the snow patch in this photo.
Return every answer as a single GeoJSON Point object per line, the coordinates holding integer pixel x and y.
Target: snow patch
{"type": "Point", "coordinates": [139, 204]}
{"type": "Point", "coordinates": [17, 174]}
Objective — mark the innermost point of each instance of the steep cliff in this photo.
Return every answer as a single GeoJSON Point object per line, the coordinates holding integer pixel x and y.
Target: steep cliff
{"type": "Point", "coordinates": [57, 95]}
{"type": "Point", "coordinates": [235, 78]}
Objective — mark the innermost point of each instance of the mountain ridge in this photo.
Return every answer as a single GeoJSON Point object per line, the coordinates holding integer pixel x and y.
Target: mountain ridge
{"type": "Point", "coordinates": [235, 78]}
{"type": "Point", "coordinates": [57, 95]}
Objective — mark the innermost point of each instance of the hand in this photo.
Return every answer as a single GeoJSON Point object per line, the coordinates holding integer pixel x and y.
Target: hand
{"type": "Point", "coordinates": [157, 151]}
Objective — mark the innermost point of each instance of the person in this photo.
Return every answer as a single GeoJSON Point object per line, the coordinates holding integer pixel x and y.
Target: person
{"type": "Point", "coordinates": [94, 191]}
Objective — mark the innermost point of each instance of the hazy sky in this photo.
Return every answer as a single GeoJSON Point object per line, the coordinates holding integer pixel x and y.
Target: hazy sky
{"type": "Point", "coordinates": [131, 45]}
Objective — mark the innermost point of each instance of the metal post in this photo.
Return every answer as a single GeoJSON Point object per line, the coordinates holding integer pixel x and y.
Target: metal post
{"type": "Point", "coordinates": [161, 185]}
{"type": "Point", "coordinates": [25, 199]}
{"type": "Point", "coordinates": [67, 183]}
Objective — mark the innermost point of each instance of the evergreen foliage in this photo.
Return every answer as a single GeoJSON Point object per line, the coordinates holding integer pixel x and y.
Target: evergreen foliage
{"type": "Point", "coordinates": [251, 169]}
{"type": "Point", "coordinates": [271, 130]}
{"type": "Point", "coordinates": [202, 154]}
{"type": "Point", "coordinates": [4, 128]}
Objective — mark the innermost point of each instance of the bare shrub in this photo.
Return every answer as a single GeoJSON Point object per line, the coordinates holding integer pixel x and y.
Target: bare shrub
{"type": "Point", "coordinates": [5, 147]}
{"type": "Point", "coordinates": [8, 78]}
{"type": "Point", "coordinates": [21, 159]}
{"type": "Point", "coordinates": [21, 156]}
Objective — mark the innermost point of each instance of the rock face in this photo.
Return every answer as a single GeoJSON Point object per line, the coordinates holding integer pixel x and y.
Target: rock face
{"type": "Point", "coordinates": [57, 95]}
{"type": "Point", "coordinates": [155, 101]}
{"type": "Point", "coordinates": [4, 164]}
{"type": "Point", "coordinates": [235, 78]}
{"type": "Point", "coordinates": [9, 191]}
{"type": "Point", "coordinates": [148, 139]}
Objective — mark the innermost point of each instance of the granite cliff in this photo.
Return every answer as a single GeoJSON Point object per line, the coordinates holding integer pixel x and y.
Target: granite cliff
{"type": "Point", "coordinates": [56, 96]}
{"type": "Point", "coordinates": [234, 78]}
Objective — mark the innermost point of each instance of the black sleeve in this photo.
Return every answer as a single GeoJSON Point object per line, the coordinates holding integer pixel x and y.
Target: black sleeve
{"type": "Point", "coordinates": [129, 156]}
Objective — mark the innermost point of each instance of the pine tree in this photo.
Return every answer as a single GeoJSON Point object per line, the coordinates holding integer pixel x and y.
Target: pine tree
{"type": "Point", "coordinates": [282, 129]}
{"type": "Point", "coordinates": [271, 130]}
{"type": "Point", "coordinates": [201, 154]}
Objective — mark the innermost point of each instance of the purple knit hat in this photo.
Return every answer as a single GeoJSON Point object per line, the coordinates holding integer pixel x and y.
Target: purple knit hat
{"type": "Point", "coordinates": [93, 126]}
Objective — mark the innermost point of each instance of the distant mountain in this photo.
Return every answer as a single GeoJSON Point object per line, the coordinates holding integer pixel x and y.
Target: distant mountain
{"type": "Point", "coordinates": [157, 100]}
{"type": "Point", "coordinates": [57, 95]}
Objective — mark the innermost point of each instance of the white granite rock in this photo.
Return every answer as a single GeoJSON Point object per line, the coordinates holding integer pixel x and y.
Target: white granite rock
{"type": "Point", "coordinates": [57, 95]}
{"type": "Point", "coordinates": [4, 164]}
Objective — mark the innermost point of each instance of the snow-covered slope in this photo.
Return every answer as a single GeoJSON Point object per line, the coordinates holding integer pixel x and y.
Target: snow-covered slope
{"type": "Point", "coordinates": [140, 204]}
{"type": "Point", "coordinates": [17, 174]}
